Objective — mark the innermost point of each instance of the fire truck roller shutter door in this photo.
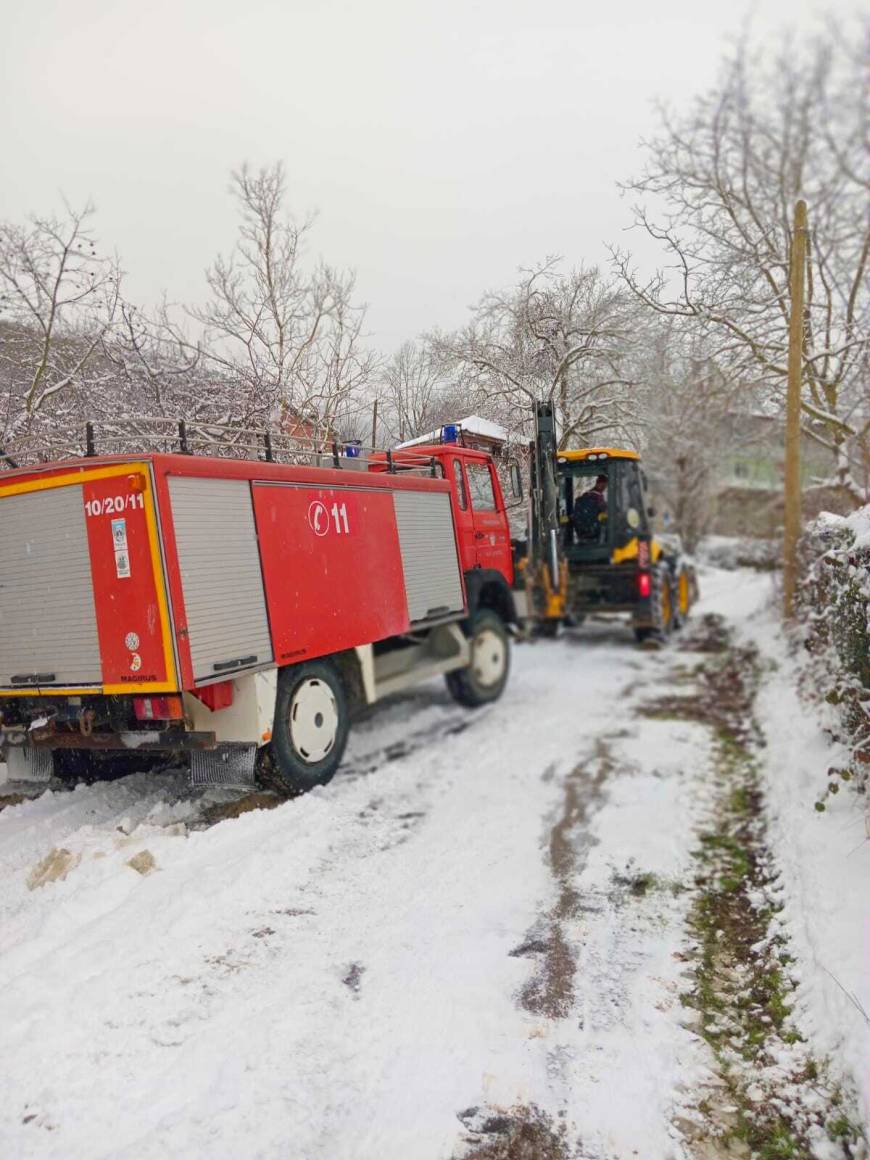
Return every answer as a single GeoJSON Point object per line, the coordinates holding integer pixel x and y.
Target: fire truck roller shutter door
{"type": "Point", "coordinates": [428, 545]}
{"type": "Point", "coordinates": [48, 622]}
{"type": "Point", "coordinates": [221, 578]}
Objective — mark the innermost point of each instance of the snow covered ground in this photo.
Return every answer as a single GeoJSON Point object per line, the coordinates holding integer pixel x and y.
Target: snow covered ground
{"type": "Point", "coordinates": [482, 911]}
{"type": "Point", "coordinates": [824, 860]}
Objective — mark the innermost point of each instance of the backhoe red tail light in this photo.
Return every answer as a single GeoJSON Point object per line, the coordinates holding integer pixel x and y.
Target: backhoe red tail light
{"type": "Point", "coordinates": [644, 584]}
{"type": "Point", "coordinates": [158, 708]}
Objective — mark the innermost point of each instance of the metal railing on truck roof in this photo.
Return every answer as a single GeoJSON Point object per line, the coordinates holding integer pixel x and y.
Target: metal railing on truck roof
{"type": "Point", "coordinates": [224, 441]}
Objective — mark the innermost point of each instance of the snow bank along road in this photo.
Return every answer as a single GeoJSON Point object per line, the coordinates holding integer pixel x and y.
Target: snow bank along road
{"type": "Point", "coordinates": [462, 923]}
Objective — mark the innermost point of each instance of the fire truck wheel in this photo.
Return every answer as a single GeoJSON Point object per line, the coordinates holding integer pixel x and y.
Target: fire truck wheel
{"type": "Point", "coordinates": [311, 726]}
{"type": "Point", "coordinates": [485, 678]}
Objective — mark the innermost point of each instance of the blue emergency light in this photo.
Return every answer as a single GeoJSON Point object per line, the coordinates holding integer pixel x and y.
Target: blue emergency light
{"type": "Point", "coordinates": [450, 433]}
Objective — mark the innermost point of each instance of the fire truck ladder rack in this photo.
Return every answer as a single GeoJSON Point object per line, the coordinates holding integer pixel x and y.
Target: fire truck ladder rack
{"type": "Point", "coordinates": [220, 440]}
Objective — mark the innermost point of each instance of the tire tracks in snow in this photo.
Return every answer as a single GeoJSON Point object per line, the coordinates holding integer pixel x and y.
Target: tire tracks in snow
{"type": "Point", "coordinates": [335, 972]}
{"type": "Point", "coordinates": [550, 992]}
{"type": "Point", "coordinates": [602, 992]}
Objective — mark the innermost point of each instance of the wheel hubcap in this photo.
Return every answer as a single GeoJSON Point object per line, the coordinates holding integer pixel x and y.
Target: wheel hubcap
{"type": "Point", "coordinates": [488, 658]}
{"type": "Point", "coordinates": [313, 720]}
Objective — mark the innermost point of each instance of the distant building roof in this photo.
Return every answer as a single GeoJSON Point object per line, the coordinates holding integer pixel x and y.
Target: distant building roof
{"type": "Point", "coordinates": [471, 425]}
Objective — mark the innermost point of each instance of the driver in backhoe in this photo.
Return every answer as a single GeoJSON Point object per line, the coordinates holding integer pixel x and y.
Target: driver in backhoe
{"type": "Point", "coordinates": [590, 512]}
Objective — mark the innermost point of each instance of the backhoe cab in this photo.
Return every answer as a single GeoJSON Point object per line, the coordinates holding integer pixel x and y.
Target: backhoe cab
{"type": "Point", "coordinates": [591, 546]}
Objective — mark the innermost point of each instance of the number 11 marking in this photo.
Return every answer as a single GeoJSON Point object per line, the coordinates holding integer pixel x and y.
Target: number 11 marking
{"type": "Point", "coordinates": [339, 516]}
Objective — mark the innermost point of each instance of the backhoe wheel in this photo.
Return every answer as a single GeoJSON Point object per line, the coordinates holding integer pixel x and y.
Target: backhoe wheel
{"type": "Point", "coordinates": [486, 676]}
{"type": "Point", "coordinates": [661, 607]}
{"type": "Point", "coordinates": [682, 598]}
{"type": "Point", "coordinates": [663, 601]}
{"type": "Point", "coordinates": [549, 629]}
{"type": "Point", "coordinates": [311, 726]}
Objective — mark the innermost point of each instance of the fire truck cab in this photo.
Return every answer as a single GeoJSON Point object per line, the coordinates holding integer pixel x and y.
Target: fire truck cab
{"type": "Point", "coordinates": [480, 518]}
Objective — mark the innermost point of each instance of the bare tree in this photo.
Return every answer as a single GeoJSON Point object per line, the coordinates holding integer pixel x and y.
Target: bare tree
{"type": "Point", "coordinates": [413, 387]}
{"type": "Point", "coordinates": [159, 376]}
{"type": "Point", "coordinates": [59, 300]}
{"type": "Point", "coordinates": [684, 403]}
{"type": "Point", "coordinates": [338, 367]}
{"type": "Point", "coordinates": [725, 178]}
{"type": "Point", "coordinates": [291, 334]}
{"type": "Point", "coordinates": [554, 336]}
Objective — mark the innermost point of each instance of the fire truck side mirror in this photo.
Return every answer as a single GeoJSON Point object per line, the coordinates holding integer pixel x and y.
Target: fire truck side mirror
{"type": "Point", "coordinates": [516, 481]}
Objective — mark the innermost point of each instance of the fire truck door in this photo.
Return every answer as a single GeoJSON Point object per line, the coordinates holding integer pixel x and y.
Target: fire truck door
{"type": "Point", "coordinates": [463, 515]}
{"type": "Point", "coordinates": [491, 541]}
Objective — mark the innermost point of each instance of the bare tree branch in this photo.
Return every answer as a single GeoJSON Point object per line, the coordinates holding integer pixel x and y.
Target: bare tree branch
{"type": "Point", "coordinates": [724, 179]}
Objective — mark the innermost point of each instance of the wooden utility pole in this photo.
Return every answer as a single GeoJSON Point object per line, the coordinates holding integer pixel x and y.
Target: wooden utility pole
{"type": "Point", "coordinates": [797, 277]}
{"type": "Point", "coordinates": [375, 424]}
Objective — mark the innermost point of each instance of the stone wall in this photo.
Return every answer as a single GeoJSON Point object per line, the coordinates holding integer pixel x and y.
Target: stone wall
{"type": "Point", "coordinates": [746, 511]}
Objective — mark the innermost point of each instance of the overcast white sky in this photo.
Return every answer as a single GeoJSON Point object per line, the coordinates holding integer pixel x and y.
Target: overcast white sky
{"type": "Point", "coordinates": [443, 143]}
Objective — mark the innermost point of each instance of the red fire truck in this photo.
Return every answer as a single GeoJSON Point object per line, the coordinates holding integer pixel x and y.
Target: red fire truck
{"type": "Point", "coordinates": [242, 609]}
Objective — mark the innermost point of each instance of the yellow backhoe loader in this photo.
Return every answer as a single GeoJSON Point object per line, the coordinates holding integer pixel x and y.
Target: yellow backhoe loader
{"type": "Point", "coordinates": [590, 546]}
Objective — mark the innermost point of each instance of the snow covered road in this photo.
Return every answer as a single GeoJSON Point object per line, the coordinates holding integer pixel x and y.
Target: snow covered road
{"type": "Point", "coordinates": [461, 922]}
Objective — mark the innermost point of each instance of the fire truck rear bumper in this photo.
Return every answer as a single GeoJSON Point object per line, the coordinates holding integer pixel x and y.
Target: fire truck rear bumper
{"type": "Point", "coordinates": [139, 740]}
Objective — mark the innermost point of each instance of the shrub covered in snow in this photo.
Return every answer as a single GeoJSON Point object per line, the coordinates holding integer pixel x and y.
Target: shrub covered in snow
{"type": "Point", "coordinates": [834, 616]}
{"type": "Point", "coordinates": [732, 552]}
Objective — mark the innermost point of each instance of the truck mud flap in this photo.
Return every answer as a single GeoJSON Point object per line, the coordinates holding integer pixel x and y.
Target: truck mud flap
{"type": "Point", "coordinates": [228, 765]}
{"type": "Point", "coordinates": [27, 763]}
